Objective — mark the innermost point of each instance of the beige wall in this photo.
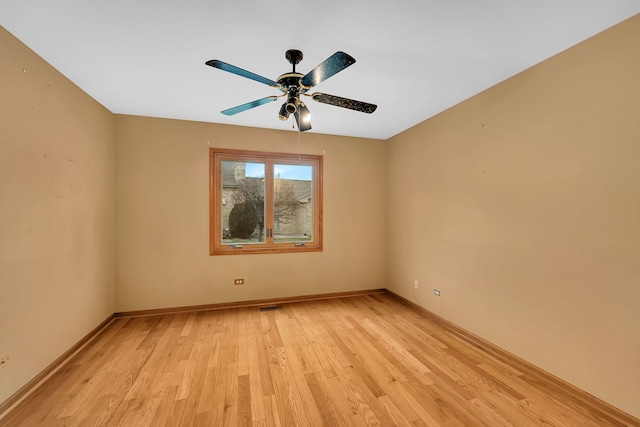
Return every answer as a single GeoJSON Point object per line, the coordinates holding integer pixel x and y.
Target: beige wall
{"type": "Point", "coordinates": [56, 214]}
{"type": "Point", "coordinates": [522, 205]}
{"type": "Point", "coordinates": [163, 206]}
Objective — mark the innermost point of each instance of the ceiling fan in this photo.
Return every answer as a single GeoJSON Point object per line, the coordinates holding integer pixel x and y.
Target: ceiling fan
{"type": "Point", "coordinates": [293, 85]}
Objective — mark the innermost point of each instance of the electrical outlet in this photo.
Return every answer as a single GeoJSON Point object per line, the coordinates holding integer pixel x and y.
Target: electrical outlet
{"type": "Point", "coordinates": [4, 360]}
{"type": "Point", "coordinates": [436, 292]}
{"type": "Point", "coordinates": [415, 284]}
{"type": "Point", "coordinates": [238, 282]}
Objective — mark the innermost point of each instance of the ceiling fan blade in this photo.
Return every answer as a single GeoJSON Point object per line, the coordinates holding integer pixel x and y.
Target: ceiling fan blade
{"type": "Point", "coordinates": [240, 72]}
{"type": "Point", "coordinates": [248, 105]}
{"type": "Point", "coordinates": [351, 104]}
{"type": "Point", "coordinates": [332, 65]}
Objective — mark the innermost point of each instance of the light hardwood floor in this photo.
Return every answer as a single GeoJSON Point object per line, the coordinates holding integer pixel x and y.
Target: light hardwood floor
{"type": "Point", "coordinates": [364, 360]}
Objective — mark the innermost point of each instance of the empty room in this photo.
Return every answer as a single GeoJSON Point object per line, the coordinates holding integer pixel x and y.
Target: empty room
{"type": "Point", "coordinates": [337, 213]}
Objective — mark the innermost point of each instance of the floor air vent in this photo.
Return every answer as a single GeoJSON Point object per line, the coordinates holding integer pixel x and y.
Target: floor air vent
{"type": "Point", "coordinates": [271, 307]}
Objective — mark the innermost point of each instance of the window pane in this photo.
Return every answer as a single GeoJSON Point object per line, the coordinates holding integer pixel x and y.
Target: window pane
{"type": "Point", "coordinates": [243, 202]}
{"type": "Point", "coordinates": [293, 203]}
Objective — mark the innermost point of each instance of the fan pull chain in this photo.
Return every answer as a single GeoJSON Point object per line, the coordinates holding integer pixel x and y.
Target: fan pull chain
{"type": "Point", "coordinates": [299, 144]}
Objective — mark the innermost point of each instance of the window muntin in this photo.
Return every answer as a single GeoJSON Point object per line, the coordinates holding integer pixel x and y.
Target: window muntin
{"type": "Point", "coordinates": [264, 202]}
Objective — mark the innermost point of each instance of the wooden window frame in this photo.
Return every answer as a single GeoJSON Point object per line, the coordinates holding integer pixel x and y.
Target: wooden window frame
{"type": "Point", "coordinates": [216, 245]}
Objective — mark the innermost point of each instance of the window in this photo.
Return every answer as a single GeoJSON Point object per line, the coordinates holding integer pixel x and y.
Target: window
{"type": "Point", "coordinates": [264, 202]}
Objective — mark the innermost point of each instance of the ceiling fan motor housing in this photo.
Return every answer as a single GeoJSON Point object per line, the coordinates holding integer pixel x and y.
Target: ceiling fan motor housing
{"type": "Point", "coordinates": [290, 84]}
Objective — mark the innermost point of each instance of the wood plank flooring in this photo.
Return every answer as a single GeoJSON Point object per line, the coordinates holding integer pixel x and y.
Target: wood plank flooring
{"type": "Point", "coordinates": [359, 361]}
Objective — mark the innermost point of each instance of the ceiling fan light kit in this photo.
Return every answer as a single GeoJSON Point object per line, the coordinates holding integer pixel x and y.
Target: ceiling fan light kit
{"type": "Point", "coordinates": [294, 84]}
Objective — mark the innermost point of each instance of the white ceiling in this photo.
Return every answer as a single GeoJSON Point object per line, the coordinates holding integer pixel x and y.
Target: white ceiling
{"type": "Point", "coordinates": [415, 58]}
